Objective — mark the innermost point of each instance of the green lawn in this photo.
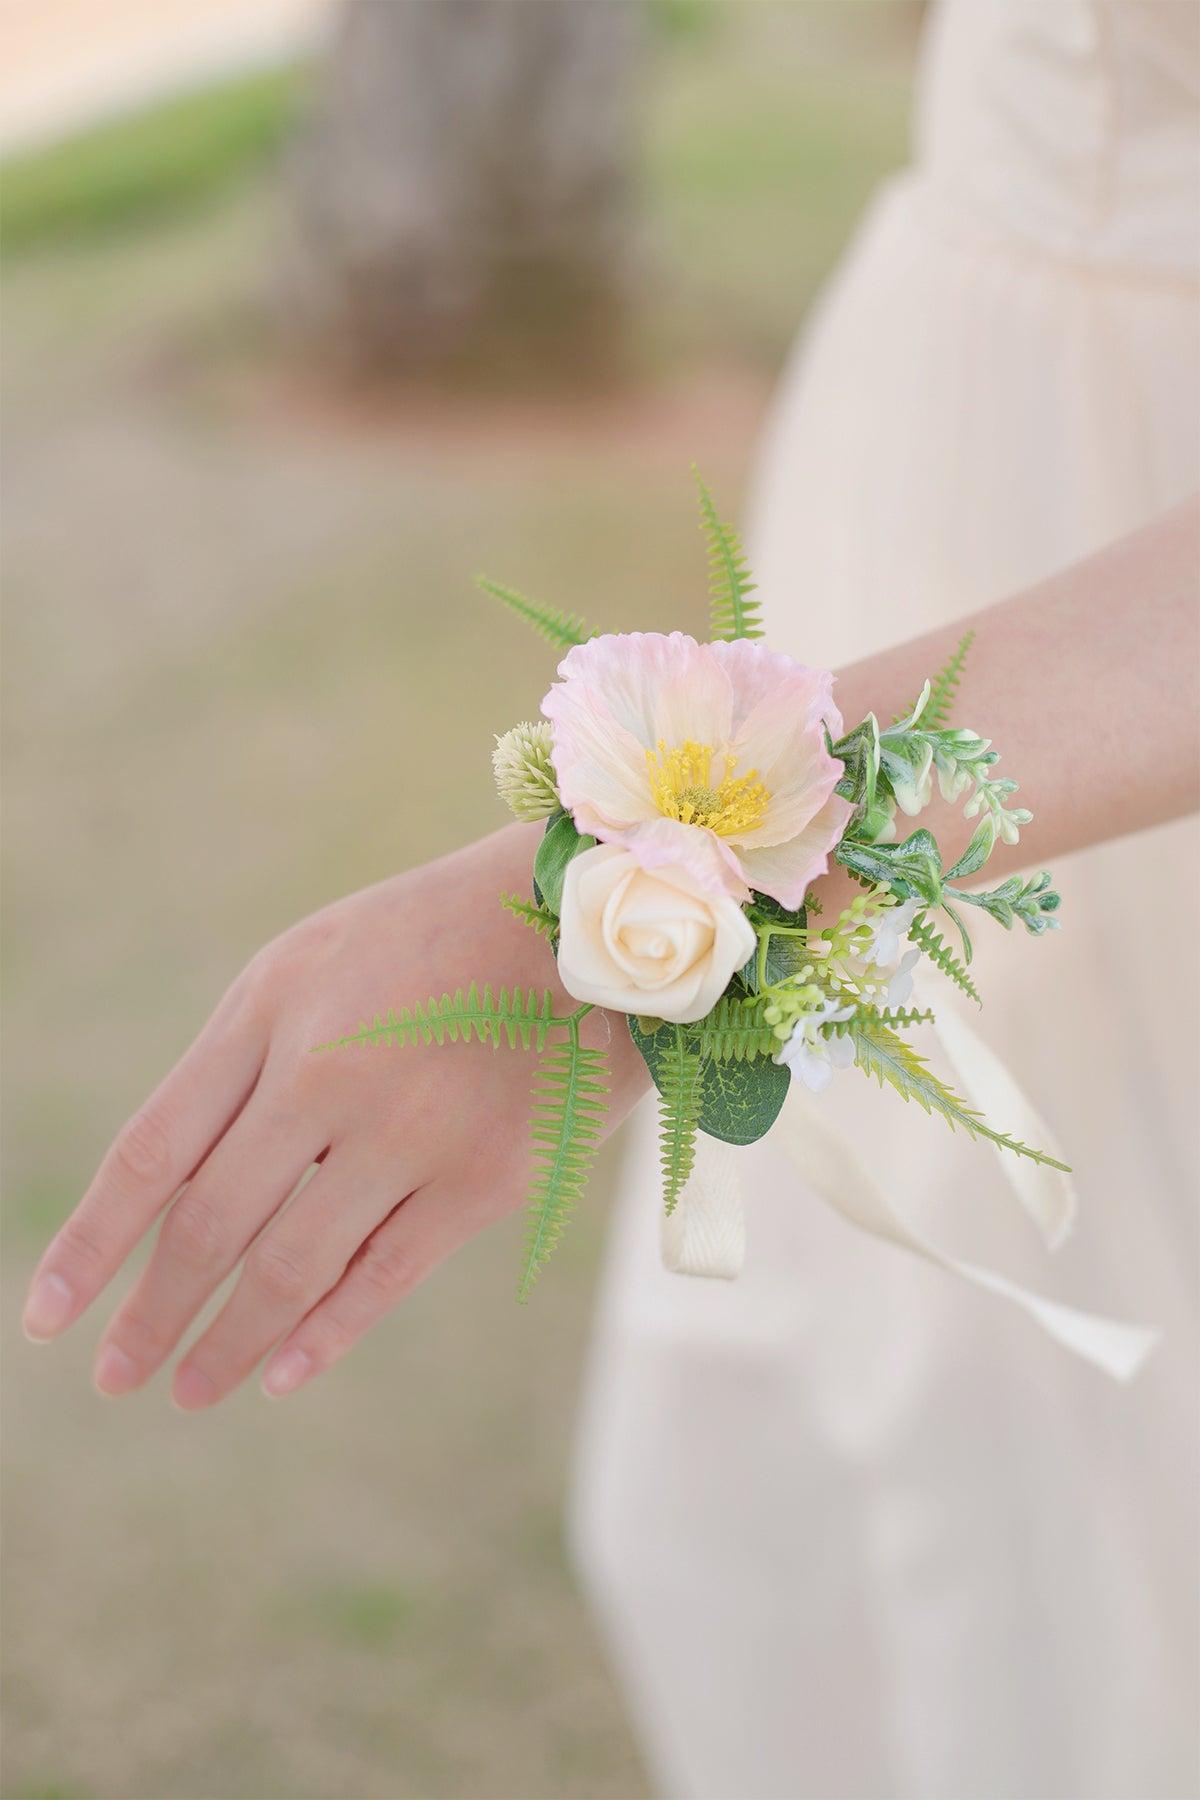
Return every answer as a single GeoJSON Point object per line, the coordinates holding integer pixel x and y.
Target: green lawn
{"type": "Point", "coordinates": [153, 164]}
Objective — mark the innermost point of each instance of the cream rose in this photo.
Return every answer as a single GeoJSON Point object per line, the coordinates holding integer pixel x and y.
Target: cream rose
{"type": "Point", "coordinates": [647, 941]}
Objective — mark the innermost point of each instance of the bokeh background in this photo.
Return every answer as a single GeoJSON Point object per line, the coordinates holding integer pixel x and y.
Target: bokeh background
{"type": "Point", "coordinates": [299, 334]}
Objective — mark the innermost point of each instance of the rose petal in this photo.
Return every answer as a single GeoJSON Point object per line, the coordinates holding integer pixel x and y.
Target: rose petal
{"type": "Point", "coordinates": [685, 942]}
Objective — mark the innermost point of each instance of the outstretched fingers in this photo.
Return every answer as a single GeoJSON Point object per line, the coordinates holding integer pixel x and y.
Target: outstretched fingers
{"type": "Point", "coordinates": [409, 1244]}
{"type": "Point", "coordinates": [237, 1189]}
{"type": "Point", "coordinates": [151, 1158]}
{"type": "Point", "coordinates": [298, 1259]}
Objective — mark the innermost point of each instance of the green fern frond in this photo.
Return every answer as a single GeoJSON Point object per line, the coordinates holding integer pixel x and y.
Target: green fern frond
{"type": "Point", "coordinates": [881, 1053]}
{"type": "Point", "coordinates": [945, 685]}
{"type": "Point", "coordinates": [896, 1018]}
{"type": "Point", "coordinates": [559, 628]}
{"type": "Point", "coordinates": [938, 951]}
{"type": "Point", "coordinates": [680, 1094]}
{"type": "Point", "coordinates": [569, 1104]}
{"type": "Point", "coordinates": [516, 1018]}
{"type": "Point", "coordinates": [734, 613]}
{"type": "Point", "coordinates": [734, 1032]}
{"type": "Point", "coordinates": [539, 918]}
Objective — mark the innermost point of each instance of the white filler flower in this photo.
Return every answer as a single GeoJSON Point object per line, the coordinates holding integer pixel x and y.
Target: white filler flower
{"type": "Point", "coordinates": [813, 1055]}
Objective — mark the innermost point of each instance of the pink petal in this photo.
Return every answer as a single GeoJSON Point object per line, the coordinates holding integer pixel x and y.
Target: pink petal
{"type": "Point", "coordinates": [783, 742]}
{"type": "Point", "coordinates": [785, 870]}
{"type": "Point", "coordinates": [656, 686]}
{"type": "Point", "coordinates": [600, 766]}
{"type": "Point", "coordinates": [757, 673]}
{"type": "Point", "coordinates": [666, 843]}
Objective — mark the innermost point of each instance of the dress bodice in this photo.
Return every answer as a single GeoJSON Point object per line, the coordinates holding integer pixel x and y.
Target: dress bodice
{"type": "Point", "coordinates": [1069, 124]}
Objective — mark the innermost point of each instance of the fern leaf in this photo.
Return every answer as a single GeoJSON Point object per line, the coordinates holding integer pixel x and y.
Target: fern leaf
{"type": "Point", "coordinates": [516, 1018]}
{"type": "Point", "coordinates": [680, 1093]}
{"type": "Point", "coordinates": [559, 628]}
{"type": "Point", "coordinates": [934, 714]}
{"type": "Point", "coordinates": [945, 685]}
{"type": "Point", "coordinates": [938, 951]}
{"type": "Point", "coordinates": [539, 918]}
{"type": "Point", "coordinates": [896, 1018]}
{"type": "Point", "coordinates": [569, 1104]}
{"type": "Point", "coordinates": [734, 1032]}
{"type": "Point", "coordinates": [881, 1053]}
{"type": "Point", "coordinates": [734, 613]}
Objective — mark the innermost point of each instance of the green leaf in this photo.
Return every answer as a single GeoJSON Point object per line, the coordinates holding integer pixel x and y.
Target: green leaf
{"type": "Point", "coordinates": [524, 1018]}
{"type": "Point", "coordinates": [961, 925]}
{"type": "Point", "coordinates": [1033, 901]}
{"type": "Point", "coordinates": [569, 1105]}
{"type": "Point", "coordinates": [734, 613]}
{"type": "Point", "coordinates": [944, 686]}
{"type": "Point", "coordinates": [681, 1077]}
{"type": "Point", "coordinates": [903, 753]}
{"type": "Point", "coordinates": [786, 952]}
{"type": "Point", "coordinates": [539, 918]}
{"type": "Point", "coordinates": [560, 843]}
{"type": "Point", "coordinates": [932, 710]}
{"type": "Point", "coordinates": [897, 1018]}
{"type": "Point", "coordinates": [977, 851]}
{"type": "Point", "coordinates": [764, 909]}
{"type": "Point", "coordinates": [913, 867]}
{"type": "Point", "coordinates": [935, 947]}
{"type": "Point", "coordinates": [859, 752]}
{"type": "Point", "coordinates": [785, 956]}
{"type": "Point", "coordinates": [870, 862]}
{"type": "Point", "coordinates": [734, 1032]}
{"type": "Point", "coordinates": [879, 1052]}
{"type": "Point", "coordinates": [740, 1099]}
{"type": "Point", "coordinates": [559, 628]}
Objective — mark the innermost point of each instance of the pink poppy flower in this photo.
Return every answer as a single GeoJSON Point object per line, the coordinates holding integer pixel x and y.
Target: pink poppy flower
{"type": "Point", "coordinates": [706, 757]}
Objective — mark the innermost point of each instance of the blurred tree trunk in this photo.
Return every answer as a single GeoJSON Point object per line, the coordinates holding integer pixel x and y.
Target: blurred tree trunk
{"type": "Point", "coordinates": [464, 184]}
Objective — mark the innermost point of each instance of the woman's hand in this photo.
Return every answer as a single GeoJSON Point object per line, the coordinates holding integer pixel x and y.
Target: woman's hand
{"type": "Point", "coordinates": [418, 1148]}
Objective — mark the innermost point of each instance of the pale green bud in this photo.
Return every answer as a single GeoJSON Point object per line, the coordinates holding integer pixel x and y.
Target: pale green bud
{"type": "Point", "coordinates": [524, 772]}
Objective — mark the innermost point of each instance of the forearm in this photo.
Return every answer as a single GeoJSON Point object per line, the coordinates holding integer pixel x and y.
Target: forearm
{"type": "Point", "coordinates": [1086, 684]}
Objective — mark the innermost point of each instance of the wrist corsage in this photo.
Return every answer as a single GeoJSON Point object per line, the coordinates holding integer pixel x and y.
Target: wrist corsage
{"type": "Point", "coordinates": [691, 793]}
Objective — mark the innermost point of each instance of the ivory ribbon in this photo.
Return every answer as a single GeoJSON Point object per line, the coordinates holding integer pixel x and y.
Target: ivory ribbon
{"type": "Point", "coordinates": [705, 1235]}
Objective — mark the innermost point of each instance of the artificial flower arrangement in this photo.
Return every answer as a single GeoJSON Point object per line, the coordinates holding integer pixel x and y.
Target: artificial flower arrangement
{"type": "Point", "coordinates": [691, 793]}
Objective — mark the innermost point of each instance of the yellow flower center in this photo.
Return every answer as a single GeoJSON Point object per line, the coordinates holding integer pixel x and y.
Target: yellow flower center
{"type": "Point", "coordinates": [681, 782]}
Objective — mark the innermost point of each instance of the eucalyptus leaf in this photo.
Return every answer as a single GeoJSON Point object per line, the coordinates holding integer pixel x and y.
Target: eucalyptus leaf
{"type": "Point", "coordinates": [740, 1100]}
{"type": "Point", "coordinates": [785, 956]}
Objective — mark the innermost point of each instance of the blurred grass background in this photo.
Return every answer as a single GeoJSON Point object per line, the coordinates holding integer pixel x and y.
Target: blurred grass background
{"type": "Point", "coordinates": [245, 671]}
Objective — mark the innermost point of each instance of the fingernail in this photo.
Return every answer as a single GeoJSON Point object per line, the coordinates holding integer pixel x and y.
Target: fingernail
{"type": "Point", "coordinates": [47, 1309]}
{"type": "Point", "coordinates": [115, 1372]}
{"type": "Point", "coordinates": [286, 1372]}
{"type": "Point", "coordinates": [192, 1388]}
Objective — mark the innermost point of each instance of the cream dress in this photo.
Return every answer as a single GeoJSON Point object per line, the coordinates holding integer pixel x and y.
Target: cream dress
{"type": "Point", "coordinates": [855, 1529]}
